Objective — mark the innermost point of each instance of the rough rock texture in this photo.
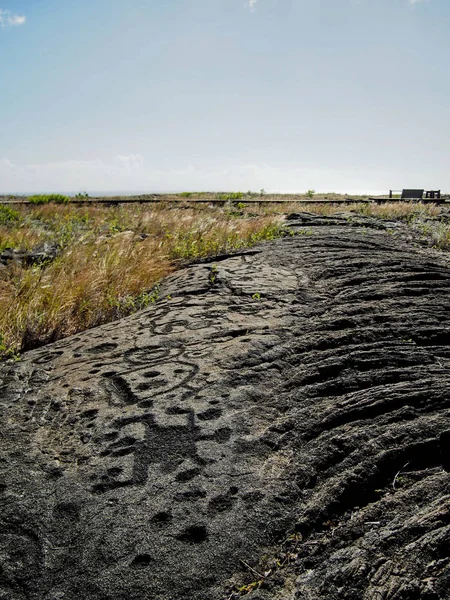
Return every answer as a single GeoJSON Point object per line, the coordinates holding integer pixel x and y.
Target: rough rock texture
{"type": "Point", "coordinates": [44, 253]}
{"type": "Point", "coordinates": [302, 387]}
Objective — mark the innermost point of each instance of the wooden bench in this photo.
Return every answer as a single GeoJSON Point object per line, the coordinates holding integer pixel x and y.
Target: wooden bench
{"type": "Point", "coordinates": [407, 194]}
{"type": "Point", "coordinates": [412, 194]}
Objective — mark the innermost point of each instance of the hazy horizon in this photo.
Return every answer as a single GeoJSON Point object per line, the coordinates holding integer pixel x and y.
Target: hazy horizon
{"type": "Point", "coordinates": [107, 193]}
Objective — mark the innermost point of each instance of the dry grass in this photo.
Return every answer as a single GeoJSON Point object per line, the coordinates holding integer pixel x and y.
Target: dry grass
{"type": "Point", "coordinates": [398, 210]}
{"type": "Point", "coordinates": [110, 263]}
{"type": "Point", "coordinates": [112, 258]}
{"type": "Point", "coordinates": [389, 210]}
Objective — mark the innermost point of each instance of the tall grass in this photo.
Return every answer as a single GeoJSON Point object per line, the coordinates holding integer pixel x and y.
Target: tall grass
{"type": "Point", "coordinates": [112, 258]}
{"type": "Point", "coordinates": [110, 261]}
{"type": "Point", "coordinates": [389, 210]}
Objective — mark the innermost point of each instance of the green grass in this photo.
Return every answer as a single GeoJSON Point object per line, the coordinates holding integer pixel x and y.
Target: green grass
{"type": "Point", "coordinates": [231, 196]}
{"type": "Point", "coordinates": [8, 215]}
{"type": "Point", "coordinates": [47, 198]}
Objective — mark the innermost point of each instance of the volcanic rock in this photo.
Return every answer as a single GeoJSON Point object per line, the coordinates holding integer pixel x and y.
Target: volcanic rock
{"type": "Point", "coordinates": [278, 423]}
{"type": "Point", "coordinates": [43, 253]}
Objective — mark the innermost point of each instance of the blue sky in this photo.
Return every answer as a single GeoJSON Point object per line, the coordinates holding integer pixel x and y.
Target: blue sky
{"type": "Point", "coordinates": [289, 95]}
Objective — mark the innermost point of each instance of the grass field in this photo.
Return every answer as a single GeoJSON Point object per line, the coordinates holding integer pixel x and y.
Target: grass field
{"type": "Point", "coordinates": [258, 196]}
{"type": "Point", "coordinates": [109, 262]}
{"type": "Point", "coordinates": [110, 259]}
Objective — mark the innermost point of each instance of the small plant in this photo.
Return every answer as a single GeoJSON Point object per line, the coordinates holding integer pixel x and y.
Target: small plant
{"type": "Point", "coordinates": [7, 351]}
{"type": "Point", "coordinates": [213, 274]}
{"type": "Point", "coordinates": [246, 589]}
{"type": "Point", "coordinates": [115, 226]}
{"type": "Point", "coordinates": [8, 215]}
{"type": "Point", "coordinates": [47, 198]}
{"type": "Point", "coordinates": [147, 298]}
{"type": "Point", "coordinates": [82, 195]}
{"type": "Point", "coordinates": [186, 194]}
{"type": "Point", "coordinates": [262, 192]}
{"type": "Point", "coordinates": [310, 193]}
{"type": "Point", "coordinates": [236, 210]}
{"type": "Point", "coordinates": [59, 198]}
{"type": "Point", "coordinates": [38, 199]}
{"type": "Point", "coordinates": [256, 296]}
{"type": "Point", "coordinates": [231, 196]}
{"type": "Point", "coordinates": [126, 304]}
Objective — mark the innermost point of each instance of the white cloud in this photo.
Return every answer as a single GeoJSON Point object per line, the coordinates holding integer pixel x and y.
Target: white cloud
{"type": "Point", "coordinates": [251, 4]}
{"type": "Point", "coordinates": [8, 19]}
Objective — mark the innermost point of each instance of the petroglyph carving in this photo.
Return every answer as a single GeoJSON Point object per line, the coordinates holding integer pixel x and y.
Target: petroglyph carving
{"type": "Point", "coordinates": [267, 415]}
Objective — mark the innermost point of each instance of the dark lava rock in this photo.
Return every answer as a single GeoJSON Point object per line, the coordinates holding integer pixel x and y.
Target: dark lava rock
{"type": "Point", "coordinates": [39, 255]}
{"type": "Point", "coordinates": [289, 415]}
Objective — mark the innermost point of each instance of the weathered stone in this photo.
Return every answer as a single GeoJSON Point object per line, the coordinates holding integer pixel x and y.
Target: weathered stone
{"type": "Point", "coordinates": [298, 389]}
{"type": "Point", "coordinates": [39, 255]}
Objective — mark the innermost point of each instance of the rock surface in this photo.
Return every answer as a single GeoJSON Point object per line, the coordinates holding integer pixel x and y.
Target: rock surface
{"type": "Point", "coordinates": [283, 412]}
{"type": "Point", "coordinates": [45, 253]}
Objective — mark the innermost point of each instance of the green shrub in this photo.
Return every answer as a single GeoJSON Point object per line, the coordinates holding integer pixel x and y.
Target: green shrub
{"type": "Point", "coordinates": [7, 214]}
{"type": "Point", "coordinates": [231, 196]}
{"type": "Point", "coordinates": [47, 198]}
{"type": "Point", "coordinates": [59, 198]}
{"type": "Point", "coordinates": [38, 199]}
{"type": "Point", "coordinates": [186, 194]}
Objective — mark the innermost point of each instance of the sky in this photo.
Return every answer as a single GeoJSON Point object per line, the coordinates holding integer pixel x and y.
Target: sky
{"type": "Point", "coordinates": [191, 95]}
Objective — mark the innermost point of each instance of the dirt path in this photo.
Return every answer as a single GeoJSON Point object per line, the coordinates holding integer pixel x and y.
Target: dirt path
{"type": "Point", "coordinates": [299, 388]}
